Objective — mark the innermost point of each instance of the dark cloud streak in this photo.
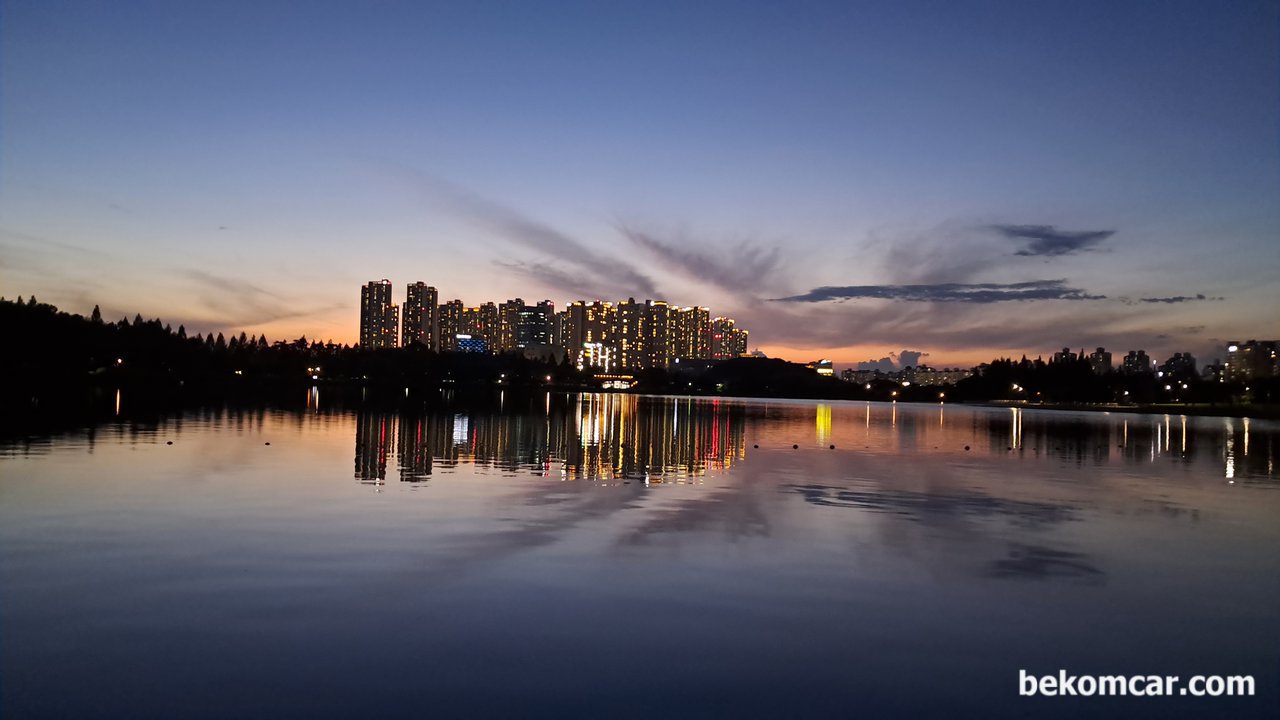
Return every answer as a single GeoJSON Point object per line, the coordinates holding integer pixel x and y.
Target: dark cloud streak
{"type": "Point", "coordinates": [516, 228]}
{"type": "Point", "coordinates": [1049, 241]}
{"type": "Point", "coordinates": [745, 266]}
{"type": "Point", "coordinates": [949, 292]}
{"type": "Point", "coordinates": [1178, 299]}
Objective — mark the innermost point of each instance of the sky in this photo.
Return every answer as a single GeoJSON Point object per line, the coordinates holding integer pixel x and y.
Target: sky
{"type": "Point", "coordinates": [939, 182]}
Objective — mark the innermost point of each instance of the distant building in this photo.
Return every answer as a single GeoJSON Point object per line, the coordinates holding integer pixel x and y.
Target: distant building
{"type": "Point", "coordinates": [588, 323]}
{"type": "Point", "coordinates": [691, 333]}
{"type": "Point", "coordinates": [452, 324]}
{"type": "Point", "coordinates": [1066, 356]}
{"type": "Point", "coordinates": [727, 339]}
{"type": "Point", "coordinates": [1136, 362]}
{"type": "Point", "coordinates": [1181, 365]}
{"type": "Point", "coordinates": [1100, 361]}
{"type": "Point", "coordinates": [421, 322]}
{"type": "Point", "coordinates": [533, 325]}
{"type": "Point", "coordinates": [464, 342]}
{"type": "Point", "coordinates": [925, 375]}
{"type": "Point", "coordinates": [598, 356]}
{"type": "Point", "coordinates": [379, 317]}
{"type": "Point", "coordinates": [1251, 360]}
{"type": "Point", "coordinates": [822, 367]}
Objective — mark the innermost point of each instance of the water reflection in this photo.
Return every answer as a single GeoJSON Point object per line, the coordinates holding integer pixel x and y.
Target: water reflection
{"type": "Point", "coordinates": [525, 548]}
{"type": "Point", "coordinates": [600, 437]}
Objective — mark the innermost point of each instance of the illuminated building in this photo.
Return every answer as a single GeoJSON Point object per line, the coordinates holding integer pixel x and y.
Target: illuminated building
{"type": "Point", "coordinates": [470, 343]}
{"type": "Point", "coordinates": [379, 317]}
{"type": "Point", "coordinates": [451, 324]}
{"type": "Point", "coordinates": [597, 355]}
{"type": "Point", "coordinates": [691, 333]}
{"type": "Point", "coordinates": [656, 349]}
{"type": "Point", "coordinates": [629, 334]}
{"type": "Point", "coordinates": [1066, 356]}
{"type": "Point", "coordinates": [727, 340]}
{"type": "Point", "coordinates": [585, 324]}
{"type": "Point", "coordinates": [421, 322]}
{"type": "Point", "coordinates": [1251, 360]}
{"type": "Point", "coordinates": [1181, 365]}
{"type": "Point", "coordinates": [1136, 361]}
{"type": "Point", "coordinates": [925, 375]}
{"type": "Point", "coordinates": [822, 367]}
{"type": "Point", "coordinates": [523, 326]}
{"type": "Point", "coordinates": [1100, 361]}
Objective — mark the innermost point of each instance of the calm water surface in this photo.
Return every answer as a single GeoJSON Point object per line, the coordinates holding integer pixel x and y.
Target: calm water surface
{"type": "Point", "coordinates": [622, 556]}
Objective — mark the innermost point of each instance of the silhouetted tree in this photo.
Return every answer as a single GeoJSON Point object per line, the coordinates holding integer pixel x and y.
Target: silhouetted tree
{"type": "Point", "coordinates": [96, 317]}
{"type": "Point", "coordinates": [182, 331]}
{"type": "Point", "coordinates": [221, 343]}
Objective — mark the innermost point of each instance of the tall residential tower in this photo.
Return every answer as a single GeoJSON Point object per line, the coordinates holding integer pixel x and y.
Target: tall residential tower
{"type": "Point", "coordinates": [379, 317]}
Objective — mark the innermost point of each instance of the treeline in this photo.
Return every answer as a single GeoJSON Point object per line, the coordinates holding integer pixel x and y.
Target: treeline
{"type": "Point", "coordinates": [52, 352]}
{"type": "Point", "coordinates": [54, 348]}
{"type": "Point", "coordinates": [1074, 382]}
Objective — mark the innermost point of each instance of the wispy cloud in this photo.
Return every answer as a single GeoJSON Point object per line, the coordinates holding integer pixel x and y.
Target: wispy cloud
{"type": "Point", "coordinates": [233, 303]}
{"type": "Point", "coordinates": [949, 292]}
{"type": "Point", "coordinates": [745, 265]}
{"type": "Point", "coordinates": [581, 283]}
{"type": "Point", "coordinates": [516, 228]}
{"type": "Point", "coordinates": [1049, 241]}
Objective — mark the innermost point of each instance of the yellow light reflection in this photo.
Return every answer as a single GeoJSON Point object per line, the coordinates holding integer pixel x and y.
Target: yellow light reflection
{"type": "Point", "coordinates": [822, 421]}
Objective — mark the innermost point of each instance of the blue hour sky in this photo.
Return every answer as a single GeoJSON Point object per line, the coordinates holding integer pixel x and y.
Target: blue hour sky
{"type": "Point", "coordinates": [849, 180]}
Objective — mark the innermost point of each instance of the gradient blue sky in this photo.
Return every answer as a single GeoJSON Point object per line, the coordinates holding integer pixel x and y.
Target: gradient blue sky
{"type": "Point", "coordinates": [246, 166]}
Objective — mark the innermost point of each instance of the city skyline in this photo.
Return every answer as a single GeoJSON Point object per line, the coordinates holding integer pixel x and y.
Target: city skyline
{"type": "Point", "coordinates": [860, 183]}
{"type": "Point", "coordinates": [601, 335]}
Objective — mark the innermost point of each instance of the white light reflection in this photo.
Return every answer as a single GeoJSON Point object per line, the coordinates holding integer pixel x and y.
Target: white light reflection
{"type": "Point", "coordinates": [1231, 447]}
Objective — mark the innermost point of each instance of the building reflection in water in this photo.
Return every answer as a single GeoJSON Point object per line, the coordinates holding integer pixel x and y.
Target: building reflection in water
{"type": "Point", "coordinates": [588, 436]}
{"type": "Point", "coordinates": [623, 438]}
{"type": "Point", "coordinates": [375, 436]}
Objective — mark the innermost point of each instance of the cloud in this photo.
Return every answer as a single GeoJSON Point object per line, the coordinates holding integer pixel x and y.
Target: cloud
{"type": "Point", "coordinates": [894, 361]}
{"type": "Point", "coordinates": [1178, 299]}
{"type": "Point", "coordinates": [1049, 241]}
{"type": "Point", "coordinates": [949, 292]}
{"type": "Point", "coordinates": [234, 303]}
{"type": "Point", "coordinates": [744, 266]}
{"type": "Point", "coordinates": [580, 283]}
{"type": "Point", "coordinates": [518, 229]}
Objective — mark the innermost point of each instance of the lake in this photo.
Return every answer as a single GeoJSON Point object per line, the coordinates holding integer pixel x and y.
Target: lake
{"type": "Point", "coordinates": [629, 556]}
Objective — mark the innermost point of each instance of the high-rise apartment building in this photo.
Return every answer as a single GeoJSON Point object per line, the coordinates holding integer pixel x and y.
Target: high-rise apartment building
{"type": "Point", "coordinates": [657, 334]}
{"type": "Point", "coordinates": [1136, 361]}
{"type": "Point", "coordinates": [452, 324]}
{"type": "Point", "coordinates": [1251, 360]}
{"type": "Point", "coordinates": [1066, 356]}
{"type": "Point", "coordinates": [1181, 366]}
{"type": "Point", "coordinates": [1100, 361]}
{"type": "Point", "coordinates": [379, 316]}
{"type": "Point", "coordinates": [588, 323]}
{"type": "Point", "coordinates": [691, 333]}
{"type": "Point", "coordinates": [421, 322]}
{"type": "Point", "coordinates": [727, 340]}
{"type": "Point", "coordinates": [628, 336]}
{"type": "Point", "coordinates": [533, 326]}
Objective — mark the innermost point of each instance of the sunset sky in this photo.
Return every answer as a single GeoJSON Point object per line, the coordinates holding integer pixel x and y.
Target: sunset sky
{"type": "Point", "coordinates": [849, 180]}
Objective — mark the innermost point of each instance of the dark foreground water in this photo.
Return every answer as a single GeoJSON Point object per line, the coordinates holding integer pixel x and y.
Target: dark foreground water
{"type": "Point", "coordinates": [620, 556]}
